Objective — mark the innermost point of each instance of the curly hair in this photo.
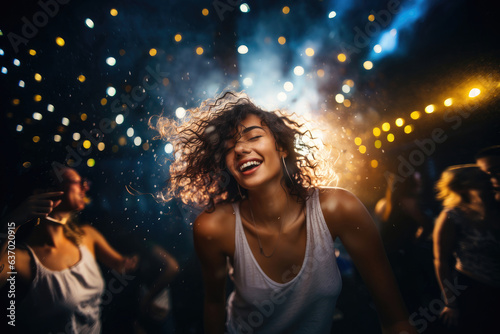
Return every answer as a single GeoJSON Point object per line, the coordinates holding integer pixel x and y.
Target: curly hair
{"type": "Point", "coordinates": [199, 175]}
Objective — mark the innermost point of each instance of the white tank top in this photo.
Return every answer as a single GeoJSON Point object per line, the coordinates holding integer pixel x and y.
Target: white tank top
{"type": "Point", "coordinates": [66, 301]}
{"type": "Point", "coordinates": [303, 305]}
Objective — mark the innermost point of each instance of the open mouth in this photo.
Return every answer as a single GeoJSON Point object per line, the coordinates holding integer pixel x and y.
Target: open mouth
{"type": "Point", "coordinates": [249, 165]}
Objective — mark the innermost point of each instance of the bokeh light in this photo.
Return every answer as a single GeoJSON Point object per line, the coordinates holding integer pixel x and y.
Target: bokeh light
{"type": "Point", "coordinates": [408, 128]}
{"type": "Point", "coordinates": [247, 81]}
{"type": "Point", "coordinates": [244, 8]}
{"type": "Point", "coordinates": [286, 10]}
{"type": "Point", "coordinates": [60, 41]}
{"type": "Point", "coordinates": [430, 109]}
{"type": "Point", "coordinates": [282, 40]}
{"type": "Point", "coordinates": [399, 122]}
{"type": "Point", "coordinates": [111, 61]}
{"type": "Point", "coordinates": [415, 114]}
{"type": "Point", "coordinates": [448, 102]}
{"type": "Point", "coordinates": [386, 127]}
{"type": "Point", "coordinates": [357, 141]}
{"type": "Point", "coordinates": [288, 86]}
{"type": "Point", "coordinates": [204, 12]}
{"type": "Point", "coordinates": [119, 119]}
{"type": "Point", "coordinates": [91, 162]}
{"type": "Point", "coordinates": [169, 148]}
{"type": "Point", "coordinates": [130, 132]}
{"type": "Point", "coordinates": [242, 49]}
{"type": "Point", "coordinates": [341, 57]}
{"type": "Point", "coordinates": [199, 50]}
{"type": "Point", "coordinates": [377, 143]}
{"type": "Point", "coordinates": [89, 23]}
{"type": "Point", "coordinates": [368, 65]}
{"type": "Point", "coordinates": [374, 163]}
{"type": "Point", "coordinates": [180, 112]}
{"type": "Point", "coordinates": [339, 98]}
{"type": "Point", "coordinates": [310, 52]}
{"type": "Point", "coordinates": [111, 91]}
{"type": "Point", "coordinates": [390, 137]}
{"type": "Point", "coordinates": [362, 149]}
{"type": "Point", "coordinates": [178, 37]}
{"type": "Point", "coordinates": [281, 96]}
{"type": "Point", "coordinates": [38, 77]}
{"type": "Point", "coordinates": [376, 132]}
{"type": "Point", "coordinates": [113, 12]}
{"type": "Point", "coordinates": [474, 92]}
{"type": "Point", "coordinates": [298, 70]}
{"type": "Point", "coordinates": [332, 14]}
{"type": "Point", "coordinates": [153, 52]}
{"type": "Point", "coordinates": [86, 144]}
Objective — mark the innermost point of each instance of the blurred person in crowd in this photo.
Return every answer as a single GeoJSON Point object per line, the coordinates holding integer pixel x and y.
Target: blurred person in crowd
{"type": "Point", "coordinates": [58, 281]}
{"type": "Point", "coordinates": [488, 159]}
{"type": "Point", "coordinates": [402, 220]}
{"type": "Point", "coordinates": [145, 306]}
{"type": "Point", "coordinates": [268, 220]}
{"type": "Point", "coordinates": [405, 230]}
{"type": "Point", "coordinates": [469, 229]}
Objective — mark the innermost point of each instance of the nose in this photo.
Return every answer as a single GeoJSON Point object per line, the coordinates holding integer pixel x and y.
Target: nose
{"type": "Point", "coordinates": [242, 147]}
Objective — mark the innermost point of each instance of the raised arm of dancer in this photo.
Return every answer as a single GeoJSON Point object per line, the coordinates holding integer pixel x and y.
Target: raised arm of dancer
{"type": "Point", "coordinates": [107, 254]}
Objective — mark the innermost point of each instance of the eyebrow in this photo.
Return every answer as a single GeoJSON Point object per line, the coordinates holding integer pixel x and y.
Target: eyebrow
{"type": "Point", "coordinates": [245, 130]}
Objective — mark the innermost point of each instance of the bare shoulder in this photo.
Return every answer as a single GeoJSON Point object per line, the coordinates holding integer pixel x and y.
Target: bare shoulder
{"type": "Point", "coordinates": [338, 201]}
{"type": "Point", "coordinates": [90, 236]}
{"type": "Point", "coordinates": [216, 227]}
{"type": "Point", "coordinates": [341, 209]}
{"type": "Point", "coordinates": [216, 221]}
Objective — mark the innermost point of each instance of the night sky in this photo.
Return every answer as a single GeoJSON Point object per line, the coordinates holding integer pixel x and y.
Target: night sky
{"type": "Point", "coordinates": [81, 79]}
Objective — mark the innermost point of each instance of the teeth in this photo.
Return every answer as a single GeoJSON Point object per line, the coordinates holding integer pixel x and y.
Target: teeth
{"type": "Point", "coordinates": [248, 164]}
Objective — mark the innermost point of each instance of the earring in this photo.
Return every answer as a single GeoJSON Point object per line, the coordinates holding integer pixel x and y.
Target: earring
{"type": "Point", "coordinates": [239, 191]}
{"type": "Point", "coordinates": [286, 169]}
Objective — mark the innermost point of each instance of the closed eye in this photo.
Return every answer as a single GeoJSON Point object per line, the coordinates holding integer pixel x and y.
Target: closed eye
{"type": "Point", "coordinates": [254, 138]}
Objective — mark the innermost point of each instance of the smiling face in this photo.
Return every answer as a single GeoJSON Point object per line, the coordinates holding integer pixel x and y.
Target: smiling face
{"type": "Point", "coordinates": [251, 155]}
{"type": "Point", "coordinates": [74, 192]}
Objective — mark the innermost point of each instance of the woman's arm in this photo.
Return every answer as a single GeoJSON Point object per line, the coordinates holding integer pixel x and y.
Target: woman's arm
{"type": "Point", "coordinates": [105, 253]}
{"type": "Point", "coordinates": [443, 239]}
{"type": "Point", "coordinates": [208, 242]}
{"type": "Point", "coordinates": [348, 219]}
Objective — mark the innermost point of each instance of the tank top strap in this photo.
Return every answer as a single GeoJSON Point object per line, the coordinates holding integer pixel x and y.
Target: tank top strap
{"type": "Point", "coordinates": [238, 231]}
{"type": "Point", "coordinates": [316, 222]}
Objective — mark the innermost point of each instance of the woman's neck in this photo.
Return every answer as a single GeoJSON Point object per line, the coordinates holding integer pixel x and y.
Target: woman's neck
{"type": "Point", "coordinates": [269, 207]}
{"type": "Point", "coordinates": [48, 233]}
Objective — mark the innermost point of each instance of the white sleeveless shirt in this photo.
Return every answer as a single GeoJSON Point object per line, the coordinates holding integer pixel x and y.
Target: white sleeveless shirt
{"type": "Point", "coordinates": [65, 301]}
{"type": "Point", "coordinates": [302, 305]}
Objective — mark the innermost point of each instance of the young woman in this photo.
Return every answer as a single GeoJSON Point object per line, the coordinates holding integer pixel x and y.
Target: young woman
{"type": "Point", "coordinates": [469, 229]}
{"type": "Point", "coordinates": [268, 221]}
{"type": "Point", "coordinates": [58, 282]}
